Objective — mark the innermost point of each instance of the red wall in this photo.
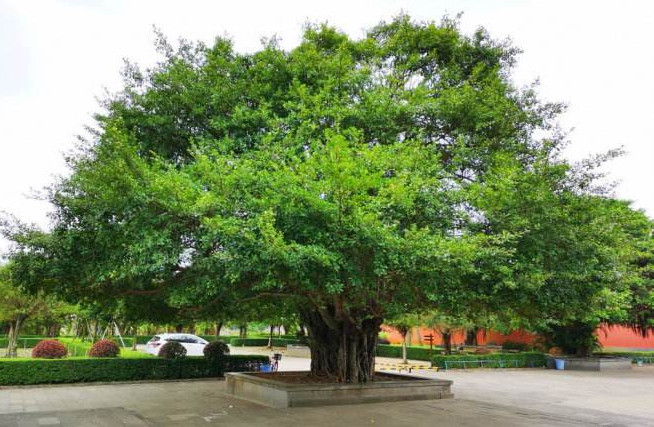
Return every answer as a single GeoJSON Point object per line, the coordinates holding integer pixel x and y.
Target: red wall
{"type": "Point", "coordinates": [417, 336]}
{"type": "Point", "coordinates": [610, 337]}
{"type": "Point", "coordinates": [622, 337]}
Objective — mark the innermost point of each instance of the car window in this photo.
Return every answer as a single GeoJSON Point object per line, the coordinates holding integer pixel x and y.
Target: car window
{"type": "Point", "coordinates": [155, 338]}
{"type": "Point", "coordinates": [181, 339]}
{"type": "Point", "coordinates": [187, 339]}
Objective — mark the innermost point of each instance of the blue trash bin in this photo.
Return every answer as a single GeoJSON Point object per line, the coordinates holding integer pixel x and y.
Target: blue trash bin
{"type": "Point", "coordinates": [560, 364]}
{"type": "Point", "coordinates": [265, 368]}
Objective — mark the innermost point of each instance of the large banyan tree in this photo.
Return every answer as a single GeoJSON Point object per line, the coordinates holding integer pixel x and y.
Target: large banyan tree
{"type": "Point", "coordinates": [354, 179]}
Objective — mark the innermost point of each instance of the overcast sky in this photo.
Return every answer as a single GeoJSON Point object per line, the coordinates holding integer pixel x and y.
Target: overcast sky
{"type": "Point", "coordinates": [56, 56]}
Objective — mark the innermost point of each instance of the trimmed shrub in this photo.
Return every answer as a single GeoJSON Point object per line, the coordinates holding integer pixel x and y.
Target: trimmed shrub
{"type": "Point", "coordinates": [49, 349]}
{"type": "Point", "coordinates": [415, 353]}
{"type": "Point", "coordinates": [172, 350]}
{"type": "Point", "coordinates": [59, 371]}
{"type": "Point", "coordinates": [494, 360]}
{"type": "Point", "coordinates": [104, 348]}
{"type": "Point", "coordinates": [216, 350]}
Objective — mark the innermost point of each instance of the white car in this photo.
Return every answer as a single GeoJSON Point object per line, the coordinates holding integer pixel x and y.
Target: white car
{"type": "Point", "coordinates": [194, 345]}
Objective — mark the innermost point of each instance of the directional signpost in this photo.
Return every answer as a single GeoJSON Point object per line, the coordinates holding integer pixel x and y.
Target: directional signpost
{"type": "Point", "coordinates": [430, 339]}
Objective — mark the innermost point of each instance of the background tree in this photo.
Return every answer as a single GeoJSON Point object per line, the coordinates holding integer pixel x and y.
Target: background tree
{"type": "Point", "coordinates": [446, 325]}
{"type": "Point", "coordinates": [641, 296]}
{"type": "Point", "coordinates": [403, 324]}
{"type": "Point", "coordinates": [16, 307]}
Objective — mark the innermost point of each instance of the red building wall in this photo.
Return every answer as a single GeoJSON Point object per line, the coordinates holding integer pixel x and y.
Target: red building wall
{"type": "Point", "coordinates": [620, 337]}
{"type": "Point", "coordinates": [610, 337]}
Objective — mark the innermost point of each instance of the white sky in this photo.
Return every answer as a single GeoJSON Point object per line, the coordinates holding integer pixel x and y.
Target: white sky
{"type": "Point", "coordinates": [57, 56]}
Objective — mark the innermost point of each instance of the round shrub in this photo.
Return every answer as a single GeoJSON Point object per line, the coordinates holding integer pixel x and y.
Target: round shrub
{"type": "Point", "coordinates": [172, 350]}
{"type": "Point", "coordinates": [215, 350]}
{"type": "Point", "coordinates": [104, 348]}
{"type": "Point", "coordinates": [49, 349]}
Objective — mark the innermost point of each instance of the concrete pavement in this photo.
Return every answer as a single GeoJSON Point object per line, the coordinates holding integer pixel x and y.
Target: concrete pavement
{"type": "Point", "coordinates": [516, 397]}
{"type": "Point", "coordinates": [203, 403]}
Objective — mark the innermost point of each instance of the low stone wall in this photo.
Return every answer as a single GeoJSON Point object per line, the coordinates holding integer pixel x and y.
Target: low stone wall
{"type": "Point", "coordinates": [271, 392]}
{"type": "Point", "coordinates": [591, 363]}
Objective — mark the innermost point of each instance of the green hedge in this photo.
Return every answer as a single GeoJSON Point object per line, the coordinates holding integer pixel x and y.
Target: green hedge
{"type": "Point", "coordinates": [493, 360]}
{"type": "Point", "coordinates": [261, 342]}
{"type": "Point", "coordinates": [415, 353]}
{"type": "Point", "coordinates": [72, 370]}
{"type": "Point", "coordinates": [644, 356]}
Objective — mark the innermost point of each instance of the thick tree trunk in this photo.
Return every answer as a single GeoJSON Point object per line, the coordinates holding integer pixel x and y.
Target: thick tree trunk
{"type": "Point", "coordinates": [343, 351]}
{"type": "Point", "coordinates": [471, 336]}
{"type": "Point", "coordinates": [447, 342]}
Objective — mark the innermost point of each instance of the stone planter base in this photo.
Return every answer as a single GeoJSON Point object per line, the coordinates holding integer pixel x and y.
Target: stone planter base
{"type": "Point", "coordinates": [591, 363]}
{"type": "Point", "coordinates": [271, 392]}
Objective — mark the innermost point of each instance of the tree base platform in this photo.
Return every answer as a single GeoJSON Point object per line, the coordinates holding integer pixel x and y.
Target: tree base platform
{"type": "Point", "coordinates": [591, 363]}
{"type": "Point", "coordinates": [284, 390]}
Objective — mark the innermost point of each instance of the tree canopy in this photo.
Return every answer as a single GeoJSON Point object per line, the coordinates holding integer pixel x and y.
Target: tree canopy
{"type": "Point", "coordinates": [356, 179]}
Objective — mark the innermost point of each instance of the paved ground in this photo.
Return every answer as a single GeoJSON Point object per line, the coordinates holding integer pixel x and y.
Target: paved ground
{"type": "Point", "coordinates": [531, 397]}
